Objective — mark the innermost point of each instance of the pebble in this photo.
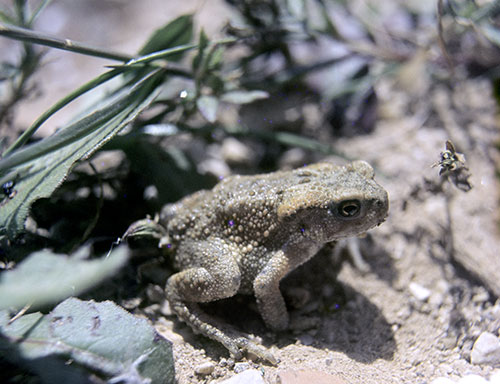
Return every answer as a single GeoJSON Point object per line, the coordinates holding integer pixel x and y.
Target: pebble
{"type": "Point", "coordinates": [235, 152]}
{"type": "Point", "coordinates": [240, 367]}
{"type": "Point", "coordinates": [419, 292]}
{"type": "Point", "coordinates": [150, 193]}
{"type": "Point", "coordinates": [292, 158]}
{"type": "Point", "coordinates": [306, 339]}
{"type": "Point", "coordinates": [204, 369]}
{"type": "Point", "coordinates": [486, 350]}
{"type": "Point", "coordinates": [472, 379]}
{"type": "Point", "coordinates": [495, 377]}
{"type": "Point", "coordinates": [215, 167]}
{"type": "Point", "coordinates": [307, 377]}
{"type": "Point", "coordinates": [469, 379]}
{"type": "Point", "coordinates": [442, 380]}
{"type": "Point", "coordinates": [250, 376]}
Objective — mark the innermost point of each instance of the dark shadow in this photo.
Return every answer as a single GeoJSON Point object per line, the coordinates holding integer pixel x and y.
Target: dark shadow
{"type": "Point", "coordinates": [53, 368]}
{"type": "Point", "coordinates": [378, 259]}
{"type": "Point", "coordinates": [348, 321]}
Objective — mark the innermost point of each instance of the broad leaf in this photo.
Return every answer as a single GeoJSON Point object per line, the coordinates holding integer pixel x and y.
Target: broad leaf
{"type": "Point", "coordinates": [47, 278]}
{"type": "Point", "coordinates": [82, 338]}
{"type": "Point", "coordinates": [37, 170]}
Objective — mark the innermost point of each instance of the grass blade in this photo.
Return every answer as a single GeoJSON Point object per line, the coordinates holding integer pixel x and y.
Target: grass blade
{"type": "Point", "coordinates": [47, 163]}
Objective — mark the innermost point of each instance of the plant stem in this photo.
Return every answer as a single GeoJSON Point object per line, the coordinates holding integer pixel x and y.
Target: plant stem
{"type": "Point", "coordinates": [30, 36]}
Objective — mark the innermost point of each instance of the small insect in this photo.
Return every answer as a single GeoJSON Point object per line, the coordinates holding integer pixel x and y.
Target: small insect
{"type": "Point", "coordinates": [453, 167]}
{"type": "Point", "coordinates": [8, 189]}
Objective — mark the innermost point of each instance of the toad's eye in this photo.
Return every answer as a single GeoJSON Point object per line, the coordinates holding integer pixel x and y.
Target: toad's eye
{"type": "Point", "coordinates": [349, 208]}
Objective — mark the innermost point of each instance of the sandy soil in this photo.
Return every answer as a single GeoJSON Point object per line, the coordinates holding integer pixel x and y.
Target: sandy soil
{"type": "Point", "coordinates": [416, 313]}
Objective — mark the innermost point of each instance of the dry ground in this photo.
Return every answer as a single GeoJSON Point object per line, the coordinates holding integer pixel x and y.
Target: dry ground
{"type": "Point", "coordinates": [375, 327]}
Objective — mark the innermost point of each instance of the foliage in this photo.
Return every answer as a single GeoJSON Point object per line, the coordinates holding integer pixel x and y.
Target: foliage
{"type": "Point", "coordinates": [38, 169]}
{"type": "Point", "coordinates": [46, 278]}
{"type": "Point", "coordinates": [100, 337]}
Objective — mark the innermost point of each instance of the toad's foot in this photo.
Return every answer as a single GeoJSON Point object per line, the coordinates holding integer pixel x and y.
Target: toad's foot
{"type": "Point", "coordinates": [255, 349]}
{"type": "Point", "coordinates": [237, 346]}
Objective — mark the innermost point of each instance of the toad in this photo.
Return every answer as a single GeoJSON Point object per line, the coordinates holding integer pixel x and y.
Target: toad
{"type": "Point", "coordinates": [249, 232]}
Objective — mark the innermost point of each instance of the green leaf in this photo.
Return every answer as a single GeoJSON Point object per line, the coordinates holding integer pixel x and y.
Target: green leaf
{"type": "Point", "coordinates": [83, 338]}
{"type": "Point", "coordinates": [216, 57]}
{"type": "Point", "coordinates": [47, 278]}
{"type": "Point", "coordinates": [243, 97]}
{"type": "Point", "coordinates": [21, 140]}
{"type": "Point", "coordinates": [203, 43]}
{"type": "Point", "coordinates": [169, 169]}
{"type": "Point", "coordinates": [207, 105]}
{"type": "Point", "coordinates": [177, 32]}
{"type": "Point", "coordinates": [40, 168]}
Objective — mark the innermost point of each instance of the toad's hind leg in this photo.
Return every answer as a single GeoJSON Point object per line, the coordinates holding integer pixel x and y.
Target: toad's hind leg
{"type": "Point", "coordinates": [210, 273]}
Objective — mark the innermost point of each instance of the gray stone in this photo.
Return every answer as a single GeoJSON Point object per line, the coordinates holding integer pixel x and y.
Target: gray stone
{"type": "Point", "coordinates": [419, 292]}
{"type": "Point", "coordinates": [486, 350]}
{"type": "Point", "coordinates": [204, 369]}
{"type": "Point", "coordinates": [472, 379]}
{"type": "Point", "coordinates": [307, 377]}
{"type": "Point", "coordinates": [250, 376]}
{"type": "Point", "coordinates": [240, 367]}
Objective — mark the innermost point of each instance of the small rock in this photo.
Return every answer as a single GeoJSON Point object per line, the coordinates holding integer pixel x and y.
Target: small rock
{"type": "Point", "coordinates": [307, 376]}
{"type": "Point", "coordinates": [150, 193]}
{"type": "Point", "coordinates": [436, 300]}
{"type": "Point", "coordinates": [486, 350]}
{"type": "Point", "coordinates": [442, 380]}
{"type": "Point", "coordinates": [240, 367]}
{"type": "Point", "coordinates": [235, 152]}
{"type": "Point", "coordinates": [472, 379]}
{"type": "Point", "coordinates": [250, 376]}
{"type": "Point", "coordinates": [215, 167]}
{"type": "Point", "coordinates": [419, 292]}
{"type": "Point", "coordinates": [204, 369]}
{"type": "Point", "coordinates": [495, 377]}
{"type": "Point", "coordinates": [306, 339]}
{"type": "Point", "coordinates": [481, 297]}
{"type": "Point", "coordinates": [292, 158]}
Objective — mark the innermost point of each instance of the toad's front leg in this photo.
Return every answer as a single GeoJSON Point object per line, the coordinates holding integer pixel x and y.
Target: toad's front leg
{"type": "Point", "coordinates": [266, 284]}
{"type": "Point", "coordinates": [267, 292]}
